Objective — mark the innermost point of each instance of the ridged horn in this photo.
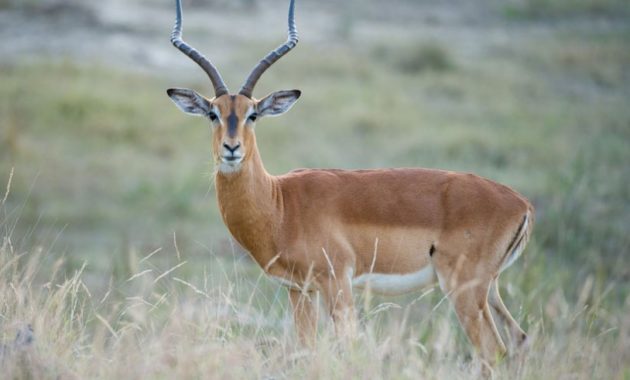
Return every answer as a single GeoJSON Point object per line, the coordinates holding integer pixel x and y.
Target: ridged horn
{"type": "Point", "coordinates": [273, 56]}
{"type": "Point", "coordinates": [176, 39]}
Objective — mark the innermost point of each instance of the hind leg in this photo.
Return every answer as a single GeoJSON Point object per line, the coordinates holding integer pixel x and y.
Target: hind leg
{"type": "Point", "coordinates": [468, 292]}
{"type": "Point", "coordinates": [517, 335]}
{"type": "Point", "coordinates": [474, 314]}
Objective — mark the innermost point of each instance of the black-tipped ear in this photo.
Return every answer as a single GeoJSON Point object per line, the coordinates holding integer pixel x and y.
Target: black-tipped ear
{"type": "Point", "coordinates": [189, 101]}
{"type": "Point", "coordinates": [278, 102]}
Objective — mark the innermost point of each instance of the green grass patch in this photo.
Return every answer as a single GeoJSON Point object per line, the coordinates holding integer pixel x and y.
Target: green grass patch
{"type": "Point", "coordinates": [542, 9]}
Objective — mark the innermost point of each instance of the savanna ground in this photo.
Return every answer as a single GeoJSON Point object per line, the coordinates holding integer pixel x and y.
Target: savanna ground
{"type": "Point", "coordinates": [112, 245]}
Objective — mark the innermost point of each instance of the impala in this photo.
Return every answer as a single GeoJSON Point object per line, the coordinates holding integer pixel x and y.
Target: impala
{"type": "Point", "coordinates": [329, 231]}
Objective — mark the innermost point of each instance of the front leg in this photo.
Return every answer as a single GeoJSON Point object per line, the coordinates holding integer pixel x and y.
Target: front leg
{"type": "Point", "coordinates": [305, 316]}
{"type": "Point", "coordinates": [337, 293]}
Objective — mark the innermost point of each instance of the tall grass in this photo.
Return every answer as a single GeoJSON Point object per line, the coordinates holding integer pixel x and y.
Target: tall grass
{"type": "Point", "coordinates": [156, 324]}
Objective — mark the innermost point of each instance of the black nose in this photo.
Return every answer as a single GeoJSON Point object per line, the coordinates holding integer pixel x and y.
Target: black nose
{"type": "Point", "coordinates": [230, 148]}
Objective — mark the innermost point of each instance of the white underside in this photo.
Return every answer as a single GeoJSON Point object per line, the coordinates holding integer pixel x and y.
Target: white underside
{"type": "Point", "coordinates": [394, 284]}
{"type": "Point", "coordinates": [516, 252]}
{"type": "Point", "coordinates": [382, 283]}
{"type": "Point", "coordinates": [284, 282]}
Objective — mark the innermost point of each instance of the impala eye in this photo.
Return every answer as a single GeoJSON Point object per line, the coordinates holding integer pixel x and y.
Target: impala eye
{"type": "Point", "coordinates": [213, 116]}
{"type": "Point", "coordinates": [252, 117]}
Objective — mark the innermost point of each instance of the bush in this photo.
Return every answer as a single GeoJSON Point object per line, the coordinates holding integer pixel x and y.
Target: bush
{"type": "Point", "coordinates": [417, 57]}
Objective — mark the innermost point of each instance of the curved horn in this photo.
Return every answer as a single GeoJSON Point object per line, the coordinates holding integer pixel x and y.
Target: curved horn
{"type": "Point", "coordinates": [176, 39]}
{"type": "Point", "coordinates": [272, 57]}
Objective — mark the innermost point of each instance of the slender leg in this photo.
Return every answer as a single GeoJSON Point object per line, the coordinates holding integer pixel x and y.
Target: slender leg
{"type": "Point", "coordinates": [304, 316]}
{"type": "Point", "coordinates": [517, 335]}
{"type": "Point", "coordinates": [474, 314]}
{"type": "Point", "coordinates": [470, 300]}
{"type": "Point", "coordinates": [337, 294]}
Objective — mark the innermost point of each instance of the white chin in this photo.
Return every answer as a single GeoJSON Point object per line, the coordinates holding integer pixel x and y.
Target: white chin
{"type": "Point", "coordinates": [229, 167]}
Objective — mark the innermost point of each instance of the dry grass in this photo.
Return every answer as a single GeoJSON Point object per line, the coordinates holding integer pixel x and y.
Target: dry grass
{"type": "Point", "coordinates": [157, 325]}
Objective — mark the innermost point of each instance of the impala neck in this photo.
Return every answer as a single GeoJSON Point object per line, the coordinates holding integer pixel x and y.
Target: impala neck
{"type": "Point", "coordinates": [249, 205]}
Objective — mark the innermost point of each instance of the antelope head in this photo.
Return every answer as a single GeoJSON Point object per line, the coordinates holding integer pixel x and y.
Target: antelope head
{"type": "Point", "coordinates": [233, 116]}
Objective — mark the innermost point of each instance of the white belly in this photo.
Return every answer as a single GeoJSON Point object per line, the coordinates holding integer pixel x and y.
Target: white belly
{"type": "Point", "coordinates": [394, 284]}
{"type": "Point", "coordinates": [288, 283]}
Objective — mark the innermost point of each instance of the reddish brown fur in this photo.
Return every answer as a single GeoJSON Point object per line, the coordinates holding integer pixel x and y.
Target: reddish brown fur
{"type": "Point", "coordinates": [311, 226]}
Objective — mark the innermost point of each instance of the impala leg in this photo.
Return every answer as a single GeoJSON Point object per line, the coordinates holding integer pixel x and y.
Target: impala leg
{"type": "Point", "coordinates": [337, 294]}
{"type": "Point", "coordinates": [473, 312]}
{"type": "Point", "coordinates": [470, 300]}
{"type": "Point", "coordinates": [517, 335]}
{"type": "Point", "coordinates": [305, 316]}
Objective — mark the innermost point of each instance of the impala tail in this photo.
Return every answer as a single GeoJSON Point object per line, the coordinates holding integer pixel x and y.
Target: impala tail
{"type": "Point", "coordinates": [518, 243]}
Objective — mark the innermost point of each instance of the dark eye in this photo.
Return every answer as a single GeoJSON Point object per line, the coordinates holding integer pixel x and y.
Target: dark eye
{"type": "Point", "coordinates": [213, 116]}
{"type": "Point", "coordinates": [252, 117]}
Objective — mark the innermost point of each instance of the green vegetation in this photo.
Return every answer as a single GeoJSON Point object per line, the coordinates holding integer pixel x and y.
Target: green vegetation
{"type": "Point", "coordinates": [416, 58]}
{"type": "Point", "coordinates": [107, 171]}
{"type": "Point", "coordinates": [567, 8]}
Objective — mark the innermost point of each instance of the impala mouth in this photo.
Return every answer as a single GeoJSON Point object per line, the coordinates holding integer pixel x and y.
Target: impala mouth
{"type": "Point", "coordinates": [233, 159]}
{"type": "Point", "coordinates": [231, 155]}
{"type": "Point", "coordinates": [230, 163]}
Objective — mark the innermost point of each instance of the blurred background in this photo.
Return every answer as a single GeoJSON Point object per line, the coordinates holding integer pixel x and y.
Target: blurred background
{"type": "Point", "coordinates": [530, 93]}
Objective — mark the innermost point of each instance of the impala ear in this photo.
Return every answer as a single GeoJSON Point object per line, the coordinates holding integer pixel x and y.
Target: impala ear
{"type": "Point", "coordinates": [277, 102]}
{"type": "Point", "coordinates": [189, 101]}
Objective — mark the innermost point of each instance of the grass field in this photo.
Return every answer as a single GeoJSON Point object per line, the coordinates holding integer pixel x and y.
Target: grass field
{"type": "Point", "coordinates": [114, 251]}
